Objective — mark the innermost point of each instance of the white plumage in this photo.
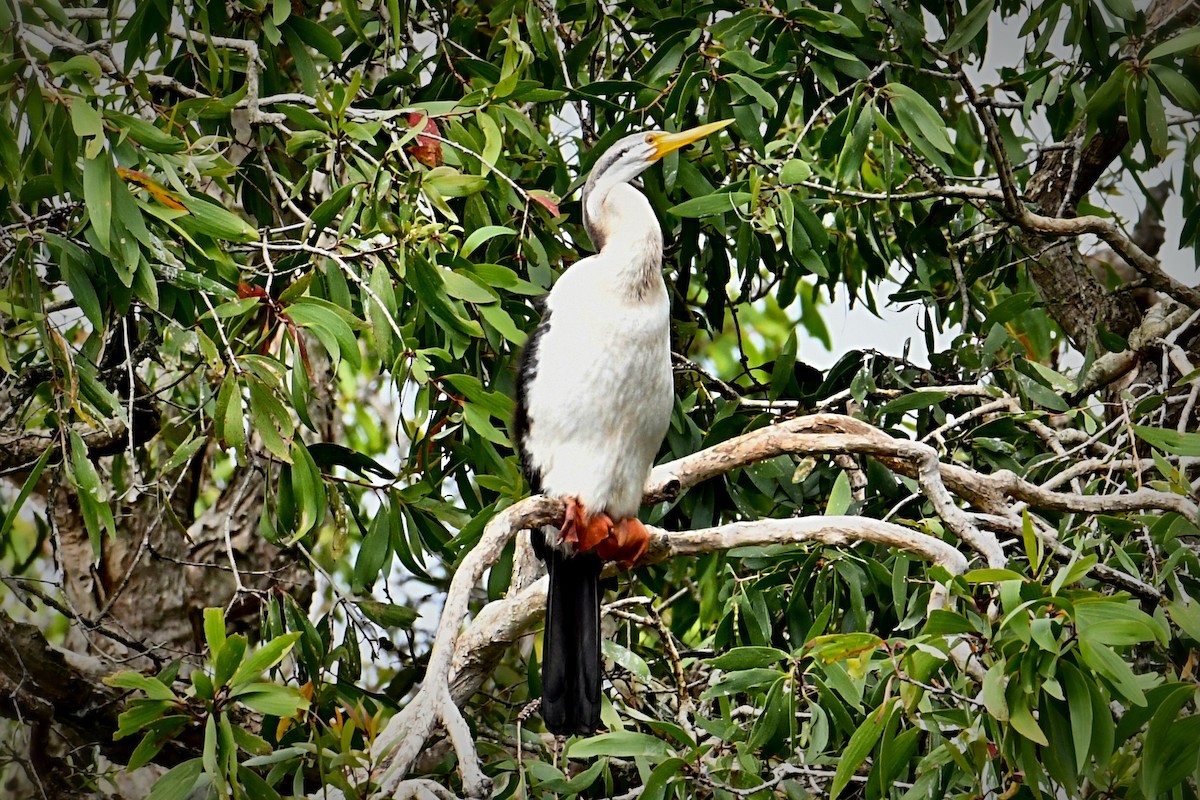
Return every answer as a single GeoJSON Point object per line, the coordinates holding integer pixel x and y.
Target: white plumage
{"type": "Point", "coordinates": [601, 399]}
{"type": "Point", "coordinates": [593, 403]}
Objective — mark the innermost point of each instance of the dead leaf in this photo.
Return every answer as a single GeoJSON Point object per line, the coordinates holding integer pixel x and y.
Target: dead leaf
{"type": "Point", "coordinates": [547, 201]}
{"type": "Point", "coordinates": [160, 192]}
{"type": "Point", "coordinates": [427, 150]}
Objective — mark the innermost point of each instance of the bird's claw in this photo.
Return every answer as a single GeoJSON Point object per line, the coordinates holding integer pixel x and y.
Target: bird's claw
{"type": "Point", "coordinates": [583, 531]}
{"type": "Point", "coordinates": [627, 544]}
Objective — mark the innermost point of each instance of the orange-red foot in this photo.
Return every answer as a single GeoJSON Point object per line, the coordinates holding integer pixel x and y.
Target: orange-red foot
{"type": "Point", "coordinates": [581, 530]}
{"type": "Point", "coordinates": [627, 544]}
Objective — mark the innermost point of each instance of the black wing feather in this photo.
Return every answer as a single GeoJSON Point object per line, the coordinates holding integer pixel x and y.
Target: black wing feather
{"type": "Point", "coordinates": [571, 643]}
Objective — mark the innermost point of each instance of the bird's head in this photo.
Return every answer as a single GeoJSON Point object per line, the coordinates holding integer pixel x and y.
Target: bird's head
{"type": "Point", "coordinates": [629, 157]}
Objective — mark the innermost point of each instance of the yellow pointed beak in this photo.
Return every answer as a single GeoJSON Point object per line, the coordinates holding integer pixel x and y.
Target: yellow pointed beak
{"type": "Point", "coordinates": [669, 142]}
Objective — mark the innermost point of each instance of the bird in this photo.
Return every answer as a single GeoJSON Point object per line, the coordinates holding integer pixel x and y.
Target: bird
{"type": "Point", "coordinates": [593, 400]}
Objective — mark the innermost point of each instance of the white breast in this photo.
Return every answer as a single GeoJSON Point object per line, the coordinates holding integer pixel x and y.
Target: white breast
{"type": "Point", "coordinates": [600, 400]}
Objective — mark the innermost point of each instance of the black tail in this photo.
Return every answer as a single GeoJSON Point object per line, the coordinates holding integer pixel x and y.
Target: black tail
{"type": "Point", "coordinates": [571, 648]}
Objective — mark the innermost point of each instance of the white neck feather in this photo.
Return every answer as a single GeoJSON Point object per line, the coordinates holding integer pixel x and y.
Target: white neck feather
{"type": "Point", "coordinates": [626, 230]}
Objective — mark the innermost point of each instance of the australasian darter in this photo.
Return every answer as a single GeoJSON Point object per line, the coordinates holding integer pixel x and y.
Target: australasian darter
{"type": "Point", "coordinates": [594, 399]}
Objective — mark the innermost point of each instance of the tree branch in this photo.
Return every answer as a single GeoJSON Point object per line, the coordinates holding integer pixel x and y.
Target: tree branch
{"type": "Point", "coordinates": [462, 659]}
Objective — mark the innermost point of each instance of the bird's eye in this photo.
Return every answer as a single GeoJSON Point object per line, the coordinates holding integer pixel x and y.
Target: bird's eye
{"type": "Point", "coordinates": [649, 139]}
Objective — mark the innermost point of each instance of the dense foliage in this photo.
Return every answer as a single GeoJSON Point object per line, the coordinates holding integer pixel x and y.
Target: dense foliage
{"type": "Point", "coordinates": [265, 269]}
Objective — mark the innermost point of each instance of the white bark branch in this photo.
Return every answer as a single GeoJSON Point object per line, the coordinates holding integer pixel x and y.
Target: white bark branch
{"type": "Point", "coordinates": [462, 659]}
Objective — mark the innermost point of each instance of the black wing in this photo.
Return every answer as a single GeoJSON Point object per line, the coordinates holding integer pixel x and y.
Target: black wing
{"type": "Point", "coordinates": [526, 374]}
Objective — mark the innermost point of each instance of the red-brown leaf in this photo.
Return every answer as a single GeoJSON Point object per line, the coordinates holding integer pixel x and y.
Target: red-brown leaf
{"type": "Point", "coordinates": [427, 150]}
{"type": "Point", "coordinates": [546, 202]}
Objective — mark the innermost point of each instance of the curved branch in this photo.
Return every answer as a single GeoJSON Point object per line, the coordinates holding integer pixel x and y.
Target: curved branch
{"type": "Point", "coordinates": [836, 433]}
{"type": "Point", "coordinates": [462, 659]}
{"type": "Point", "coordinates": [1125, 247]}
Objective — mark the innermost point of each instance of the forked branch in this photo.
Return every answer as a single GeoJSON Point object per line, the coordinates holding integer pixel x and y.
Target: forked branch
{"type": "Point", "coordinates": [462, 659]}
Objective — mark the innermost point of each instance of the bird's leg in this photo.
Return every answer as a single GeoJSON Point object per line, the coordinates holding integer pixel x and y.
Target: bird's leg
{"type": "Point", "coordinates": [581, 530]}
{"type": "Point", "coordinates": [572, 522]}
{"type": "Point", "coordinates": [627, 544]}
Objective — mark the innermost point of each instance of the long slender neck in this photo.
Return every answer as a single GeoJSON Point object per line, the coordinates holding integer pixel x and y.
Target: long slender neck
{"type": "Point", "coordinates": [623, 226]}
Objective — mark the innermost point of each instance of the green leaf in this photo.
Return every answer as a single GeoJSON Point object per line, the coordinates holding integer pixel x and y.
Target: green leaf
{"type": "Point", "coordinates": [388, 615]}
{"type": "Point", "coordinates": [919, 119]}
{"type": "Point", "coordinates": [493, 138]}
{"type": "Point", "coordinates": [1121, 8]}
{"type": "Point", "coordinates": [97, 196]}
{"type": "Point", "coordinates": [742, 680]}
{"type": "Point", "coordinates": [209, 753]}
{"type": "Point", "coordinates": [838, 646]}
{"type": "Point", "coordinates": [755, 90]}
{"type": "Point", "coordinates": [460, 286]}
{"type": "Point", "coordinates": [1073, 572]}
{"type": "Point", "coordinates": [711, 204]}
{"type": "Point", "coordinates": [317, 37]}
{"type": "Point", "coordinates": [229, 659]}
{"type": "Point", "coordinates": [795, 171]}
{"type": "Point", "coordinates": [329, 208]}
{"type": "Point", "coordinates": [372, 553]}
{"type": "Point", "coordinates": [1109, 92]}
{"type": "Point", "coordinates": [1012, 306]}
{"type": "Point", "coordinates": [214, 630]}
{"type": "Point", "coordinates": [140, 714]}
{"type": "Point", "coordinates": [426, 281]}
{"type": "Point", "coordinates": [1135, 100]}
{"type": "Point", "coordinates": [1021, 718]}
{"type": "Point", "coordinates": [968, 26]}
{"type": "Point", "coordinates": [1156, 120]}
{"type": "Point", "coordinates": [332, 325]}
{"type": "Point", "coordinates": [840, 496]}
{"type": "Point", "coordinates": [994, 682]}
{"type": "Point", "coordinates": [655, 787]}
{"type": "Point", "coordinates": [1178, 86]}
{"type": "Point", "coordinates": [992, 575]}
{"type": "Point", "coordinates": [1187, 39]}
{"type": "Point", "coordinates": [1113, 622]}
{"type": "Point", "coordinates": [270, 698]}
{"type": "Point", "coordinates": [942, 622]}
{"type": "Point", "coordinates": [307, 487]}
{"type": "Point", "coordinates": [255, 786]}
{"type": "Point", "coordinates": [228, 418]}
{"type": "Point", "coordinates": [203, 685]}
{"type": "Point", "coordinates": [855, 147]}
{"type": "Point", "coordinates": [619, 744]}
{"type": "Point", "coordinates": [184, 453]}
{"type": "Point", "coordinates": [1158, 745]}
{"type": "Point", "coordinates": [154, 689]}
{"type": "Point", "coordinates": [73, 263]}
{"type": "Point", "coordinates": [484, 234]}
{"type": "Point", "coordinates": [626, 658]}
{"type": "Point", "coordinates": [157, 735]}
{"type": "Point", "coordinates": [499, 319]}
{"type": "Point", "coordinates": [27, 488]}
{"type": "Point", "coordinates": [449, 182]}
{"type": "Point", "coordinates": [266, 415]}
{"type": "Point", "coordinates": [1169, 440]}
{"type": "Point", "coordinates": [775, 713]}
{"type": "Point", "coordinates": [212, 220]}
{"type": "Point", "coordinates": [146, 133]}
{"type": "Point", "coordinates": [912, 402]}
{"type": "Point", "coordinates": [1102, 659]}
{"type": "Point", "coordinates": [1186, 616]}
{"type": "Point", "coordinates": [1079, 707]}
{"type": "Point", "coordinates": [178, 783]}
{"type": "Point", "coordinates": [741, 658]}
{"type": "Point", "coordinates": [861, 743]}
{"type": "Point", "coordinates": [264, 658]}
